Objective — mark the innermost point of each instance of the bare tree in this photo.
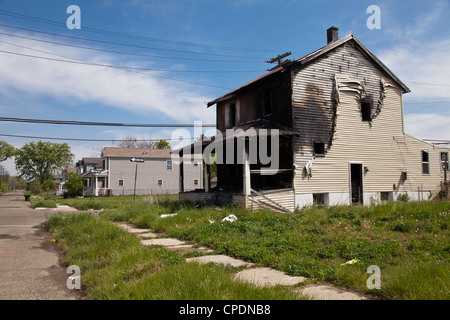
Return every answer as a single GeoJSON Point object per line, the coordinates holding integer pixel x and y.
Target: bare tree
{"type": "Point", "coordinates": [133, 142]}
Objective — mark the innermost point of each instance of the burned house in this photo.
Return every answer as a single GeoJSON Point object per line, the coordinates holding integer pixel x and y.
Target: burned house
{"type": "Point", "coordinates": [326, 128]}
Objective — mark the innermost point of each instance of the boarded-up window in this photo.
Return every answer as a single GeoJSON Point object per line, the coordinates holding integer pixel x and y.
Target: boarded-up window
{"type": "Point", "coordinates": [425, 162]}
{"type": "Point", "coordinates": [366, 110]}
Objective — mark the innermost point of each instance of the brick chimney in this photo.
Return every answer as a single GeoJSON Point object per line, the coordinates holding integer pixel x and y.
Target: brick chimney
{"type": "Point", "coordinates": [332, 34]}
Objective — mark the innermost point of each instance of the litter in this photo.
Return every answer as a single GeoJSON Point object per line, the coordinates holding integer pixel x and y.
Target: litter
{"type": "Point", "coordinates": [168, 215]}
{"type": "Point", "coordinates": [230, 218]}
{"type": "Point", "coordinates": [350, 262]}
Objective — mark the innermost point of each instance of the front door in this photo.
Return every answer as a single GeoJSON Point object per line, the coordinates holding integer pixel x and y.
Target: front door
{"type": "Point", "coordinates": [356, 183]}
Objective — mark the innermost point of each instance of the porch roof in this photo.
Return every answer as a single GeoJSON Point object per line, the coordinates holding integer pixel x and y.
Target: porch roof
{"type": "Point", "coordinates": [248, 129]}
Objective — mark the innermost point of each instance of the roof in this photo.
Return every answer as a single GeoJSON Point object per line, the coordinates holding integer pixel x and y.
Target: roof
{"type": "Point", "coordinates": [248, 129]}
{"type": "Point", "coordinates": [88, 161]}
{"type": "Point", "coordinates": [312, 56]}
{"type": "Point", "coordinates": [134, 152]}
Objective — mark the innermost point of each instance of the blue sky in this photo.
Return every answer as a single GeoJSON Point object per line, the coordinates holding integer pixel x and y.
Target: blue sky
{"type": "Point", "coordinates": [235, 36]}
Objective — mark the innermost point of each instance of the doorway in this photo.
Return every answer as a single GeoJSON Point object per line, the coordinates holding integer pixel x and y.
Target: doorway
{"type": "Point", "coordinates": [356, 183]}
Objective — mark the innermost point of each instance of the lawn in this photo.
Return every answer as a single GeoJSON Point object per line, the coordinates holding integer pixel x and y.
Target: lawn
{"type": "Point", "coordinates": [114, 265]}
{"type": "Point", "coordinates": [408, 241]}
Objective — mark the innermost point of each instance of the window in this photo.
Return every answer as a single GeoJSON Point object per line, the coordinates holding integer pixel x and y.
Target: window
{"type": "Point", "coordinates": [195, 163]}
{"type": "Point", "coordinates": [267, 102]}
{"type": "Point", "coordinates": [319, 149]}
{"type": "Point", "coordinates": [232, 115]}
{"type": "Point", "coordinates": [444, 161]}
{"type": "Point", "coordinates": [169, 165]}
{"type": "Point", "coordinates": [320, 198]}
{"type": "Point", "coordinates": [120, 182]}
{"type": "Point", "coordinates": [425, 162]}
{"type": "Point", "coordinates": [160, 182]}
{"type": "Point", "coordinates": [195, 182]}
{"type": "Point", "coordinates": [385, 196]}
{"type": "Point", "coordinates": [366, 110]}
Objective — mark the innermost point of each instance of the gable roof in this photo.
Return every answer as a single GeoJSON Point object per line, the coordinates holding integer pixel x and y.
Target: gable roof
{"type": "Point", "coordinates": [134, 152]}
{"type": "Point", "coordinates": [311, 57]}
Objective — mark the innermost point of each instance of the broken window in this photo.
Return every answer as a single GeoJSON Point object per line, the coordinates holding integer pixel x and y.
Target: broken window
{"type": "Point", "coordinates": [319, 149]}
{"type": "Point", "coordinates": [320, 198]}
{"type": "Point", "coordinates": [386, 196]}
{"type": "Point", "coordinates": [366, 110]}
{"type": "Point", "coordinates": [444, 161]}
{"type": "Point", "coordinates": [267, 102]}
{"type": "Point", "coordinates": [425, 162]}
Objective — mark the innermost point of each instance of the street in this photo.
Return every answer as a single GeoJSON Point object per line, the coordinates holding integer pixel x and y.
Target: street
{"type": "Point", "coordinates": [29, 260]}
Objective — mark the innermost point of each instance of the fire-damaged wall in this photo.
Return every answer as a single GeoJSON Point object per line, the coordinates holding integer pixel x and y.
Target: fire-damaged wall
{"type": "Point", "coordinates": [269, 99]}
{"type": "Point", "coordinates": [316, 94]}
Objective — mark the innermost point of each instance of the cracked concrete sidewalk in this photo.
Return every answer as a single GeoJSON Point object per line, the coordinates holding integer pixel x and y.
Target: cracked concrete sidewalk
{"type": "Point", "coordinates": [259, 276]}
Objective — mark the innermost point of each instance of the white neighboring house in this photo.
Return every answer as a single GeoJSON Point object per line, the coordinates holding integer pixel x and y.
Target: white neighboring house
{"type": "Point", "coordinates": [157, 174]}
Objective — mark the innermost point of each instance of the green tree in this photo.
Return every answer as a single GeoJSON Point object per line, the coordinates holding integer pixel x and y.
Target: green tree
{"type": "Point", "coordinates": [74, 183]}
{"type": "Point", "coordinates": [6, 150]}
{"type": "Point", "coordinates": [162, 144]}
{"type": "Point", "coordinates": [40, 161]}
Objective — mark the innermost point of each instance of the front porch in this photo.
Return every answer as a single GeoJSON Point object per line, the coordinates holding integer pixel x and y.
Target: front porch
{"type": "Point", "coordinates": [95, 183]}
{"type": "Point", "coordinates": [254, 169]}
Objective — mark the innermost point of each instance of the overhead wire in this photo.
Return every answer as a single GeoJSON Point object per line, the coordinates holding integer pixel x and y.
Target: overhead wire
{"type": "Point", "coordinates": [89, 140]}
{"type": "Point", "coordinates": [105, 124]}
{"type": "Point", "coordinates": [129, 45]}
{"type": "Point", "coordinates": [124, 35]}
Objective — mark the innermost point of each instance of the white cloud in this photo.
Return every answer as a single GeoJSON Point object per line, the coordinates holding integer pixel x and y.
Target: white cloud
{"type": "Point", "coordinates": [134, 92]}
{"type": "Point", "coordinates": [428, 126]}
{"type": "Point", "coordinates": [424, 68]}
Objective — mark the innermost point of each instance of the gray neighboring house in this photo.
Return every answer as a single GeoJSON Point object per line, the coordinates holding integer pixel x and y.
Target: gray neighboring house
{"type": "Point", "coordinates": [158, 174]}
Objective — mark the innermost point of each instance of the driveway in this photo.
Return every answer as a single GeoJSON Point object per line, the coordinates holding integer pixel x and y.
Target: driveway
{"type": "Point", "coordinates": [29, 261]}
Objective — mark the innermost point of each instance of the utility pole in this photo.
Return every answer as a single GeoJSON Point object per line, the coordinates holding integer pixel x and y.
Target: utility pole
{"type": "Point", "coordinates": [445, 164]}
{"type": "Point", "coordinates": [278, 59]}
{"type": "Point", "coordinates": [137, 160]}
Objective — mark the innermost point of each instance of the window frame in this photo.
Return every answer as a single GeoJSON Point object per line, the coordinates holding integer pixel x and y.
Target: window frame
{"type": "Point", "coordinates": [123, 182]}
{"type": "Point", "coordinates": [425, 162]}
{"type": "Point", "coordinates": [441, 161]}
{"type": "Point", "coordinates": [366, 110]}
{"type": "Point", "coordinates": [167, 165]}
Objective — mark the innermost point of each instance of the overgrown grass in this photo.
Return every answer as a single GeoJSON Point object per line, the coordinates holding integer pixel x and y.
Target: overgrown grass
{"type": "Point", "coordinates": [114, 265]}
{"type": "Point", "coordinates": [318, 241]}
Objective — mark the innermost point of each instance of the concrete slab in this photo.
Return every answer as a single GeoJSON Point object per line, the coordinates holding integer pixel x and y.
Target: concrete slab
{"type": "Point", "coordinates": [148, 235]}
{"type": "Point", "coordinates": [138, 230]}
{"type": "Point", "coordinates": [189, 248]}
{"type": "Point", "coordinates": [166, 242]}
{"type": "Point", "coordinates": [220, 259]}
{"type": "Point", "coordinates": [267, 277]}
{"type": "Point", "coordinates": [327, 292]}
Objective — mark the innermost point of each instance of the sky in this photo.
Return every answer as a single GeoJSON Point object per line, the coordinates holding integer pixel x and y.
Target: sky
{"type": "Point", "coordinates": [186, 53]}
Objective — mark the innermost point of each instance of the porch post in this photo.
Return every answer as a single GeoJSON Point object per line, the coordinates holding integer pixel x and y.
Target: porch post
{"type": "Point", "coordinates": [96, 186]}
{"type": "Point", "coordinates": [207, 177]}
{"type": "Point", "coordinates": [181, 178]}
{"type": "Point", "coordinates": [246, 171]}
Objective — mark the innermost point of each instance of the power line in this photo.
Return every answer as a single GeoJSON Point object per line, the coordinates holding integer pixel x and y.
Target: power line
{"type": "Point", "coordinates": [128, 53]}
{"type": "Point", "coordinates": [124, 35]}
{"type": "Point", "coordinates": [104, 124]}
{"type": "Point", "coordinates": [128, 68]}
{"type": "Point", "coordinates": [88, 140]}
{"type": "Point", "coordinates": [129, 45]}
